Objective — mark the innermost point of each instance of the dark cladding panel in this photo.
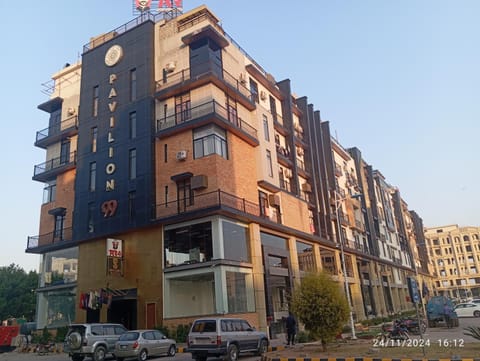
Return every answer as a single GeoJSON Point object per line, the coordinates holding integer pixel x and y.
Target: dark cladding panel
{"type": "Point", "coordinates": [110, 71]}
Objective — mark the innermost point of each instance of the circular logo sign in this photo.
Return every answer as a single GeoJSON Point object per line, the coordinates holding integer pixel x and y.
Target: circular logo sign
{"type": "Point", "coordinates": [113, 55]}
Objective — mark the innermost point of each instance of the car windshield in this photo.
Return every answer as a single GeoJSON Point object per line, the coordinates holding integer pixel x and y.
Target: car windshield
{"type": "Point", "coordinates": [129, 336]}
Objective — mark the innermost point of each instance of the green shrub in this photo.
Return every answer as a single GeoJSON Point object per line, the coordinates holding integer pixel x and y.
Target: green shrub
{"type": "Point", "coordinates": [61, 333]}
{"type": "Point", "coordinates": [303, 337]}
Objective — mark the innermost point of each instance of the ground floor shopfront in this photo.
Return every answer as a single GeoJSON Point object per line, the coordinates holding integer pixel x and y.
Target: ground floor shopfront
{"type": "Point", "coordinates": [170, 275]}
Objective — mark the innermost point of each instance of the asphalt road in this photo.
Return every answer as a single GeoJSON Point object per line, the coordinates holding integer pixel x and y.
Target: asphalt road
{"type": "Point", "coordinates": [435, 335]}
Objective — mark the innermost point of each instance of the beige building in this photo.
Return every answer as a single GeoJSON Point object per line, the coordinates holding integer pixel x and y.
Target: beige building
{"type": "Point", "coordinates": [455, 253]}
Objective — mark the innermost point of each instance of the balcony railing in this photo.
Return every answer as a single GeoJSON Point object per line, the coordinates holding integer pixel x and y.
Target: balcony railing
{"type": "Point", "coordinates": [50, 134]}
{"type": "Point", "coordinates": [183, 76]}
{"type": "Point", "coordinates": [204, 110]}
{"type": "Point", "coordinates": [214, 199]}
{"type": "Point", "coordinates": [54, 166]}
{"type": "Point", "coordinates": [48, 239]}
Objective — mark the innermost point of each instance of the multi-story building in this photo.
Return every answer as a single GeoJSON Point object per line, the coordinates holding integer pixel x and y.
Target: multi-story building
{"type": "Point", "coordinates": [181, 180]}
{"type": "Point", "coordinates": [455, 254]}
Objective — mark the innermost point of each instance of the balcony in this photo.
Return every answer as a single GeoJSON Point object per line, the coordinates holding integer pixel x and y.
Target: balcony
{"type": "Point", "coordinates": [53, 167]}
{"type": "Point", "coordinates": [212, 200]}
{"type": "Point", "coordinates": [203, 114]}
{"type": "Point", "coordinates": [48, 241]}
{"type": "Point", "coordinates": [177, 83]}
{"type": "Point", "coordinates": [53, 134]}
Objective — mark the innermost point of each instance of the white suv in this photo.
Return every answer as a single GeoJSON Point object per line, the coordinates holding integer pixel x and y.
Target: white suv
{"type": "Point", "coordinates": [224, 337]}
{"type": "Point", "coordinates": [95, 340]}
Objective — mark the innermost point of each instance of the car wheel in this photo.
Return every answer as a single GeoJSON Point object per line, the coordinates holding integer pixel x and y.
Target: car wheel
{"type": "Point", "coordinates": [77, 358]}
{"type": "Point", "coordinates": [232, 353]}
{"type": "Point", "coordinates": [143, 355]}
{"type": "Point", "coordinates": [99, 353]}
{"type": "Point", "coordinates": [262, 347]}
{"type": "Point", "coordinates": [476, 313]}
{"type": "Point", "coordinates": [74, 340]}
{"type": "Point", "coordinates": [172, 350]}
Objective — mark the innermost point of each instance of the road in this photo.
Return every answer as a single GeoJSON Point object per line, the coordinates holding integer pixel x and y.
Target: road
{"type": "Point", "coordinates": [434, 335]}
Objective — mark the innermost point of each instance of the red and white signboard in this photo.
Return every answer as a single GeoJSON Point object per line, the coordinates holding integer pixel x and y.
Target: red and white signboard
{"type": "Point", "coordinates": [158, 5]}
{"type": "Point", "coordinates": [114, 248]}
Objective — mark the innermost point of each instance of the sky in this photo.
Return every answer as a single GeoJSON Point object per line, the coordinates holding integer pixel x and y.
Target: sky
{"type": "Point", "coordinates": [397, 79]}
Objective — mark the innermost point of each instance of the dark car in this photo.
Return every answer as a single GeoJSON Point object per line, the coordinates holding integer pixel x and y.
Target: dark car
{"type": "Point", "coordinates": [143, 344]}
{"type": "Point", "coordinates": [224, 337]}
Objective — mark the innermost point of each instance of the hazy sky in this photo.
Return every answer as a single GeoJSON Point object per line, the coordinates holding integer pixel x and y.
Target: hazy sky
{"type": "Point", "coordinates": [397, 79]}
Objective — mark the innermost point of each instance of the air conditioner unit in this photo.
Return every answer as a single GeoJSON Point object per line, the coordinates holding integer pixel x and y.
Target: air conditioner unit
{"type": "Point", "coordinates": [263, 95]}
{"type": "Point", "coordinates": [170, 67]}
{"type": "Point", "coordinates": [182, 155]}
{"type": "Point", "coordinates": [274, 199]}
{"type": "Point", "coordinates": [242, 78]}
{"type": "Point", "coordinates": [306, 187]}
{"type": "Point", "coordinates": [71, 111]}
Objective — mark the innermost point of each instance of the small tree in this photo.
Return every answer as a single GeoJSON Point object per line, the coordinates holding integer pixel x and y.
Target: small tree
{"type": "Point", "coordinates": [319, 303]}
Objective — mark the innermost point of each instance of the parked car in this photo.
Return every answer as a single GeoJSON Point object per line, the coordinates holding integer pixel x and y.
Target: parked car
{"type": "Point", "coordinates": [94, 340]}
{"type": "Point", "coordinates": [435, 311]}
{"type": "Point", "coordinates": [468, 309]}
{"type": "Point", "coordinates": [144, 343]}
{"type": "Point", "coordinates": [224, 337]}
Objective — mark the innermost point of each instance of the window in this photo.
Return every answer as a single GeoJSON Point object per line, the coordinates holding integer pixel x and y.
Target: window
{"type": "Point", "coordinates": [209, 140]}
{"type": "Point", "coordinates": [94, 137]}
{"type": "Point", "coordinates": [133, 84]}
{"type": "Point", "coordinates": [263, 203]}
{"type": "Point", "coordinates": [95, 101]}
{"type": "Point", "coordinates": [131, 206]}
{"type": "Point", "coordinates": [265, 128]}
{"type": "Point", "coordinates": [165, 153]}
{"type": "Point", "coordinates": [91, 219]}
{"type": "Point", "coordinates": [182, 108]}
{"type": "Point", "coordinates": [254, 90]}
{"type": "Point", "coordinates": [271, 240]}
{"type": "Point", "coordinates": [232, 111]}
{"type": "Point", "coordinates": [205, 57]}
{"type": "Point", "coordinates": [269, 163]}
{"type": "Point", "coordinates": [189, 244]}
{"type": "Point", "coordinates": [237, 292]}
{"type": "Point", "coordinates": [273, 108]}
{"type": "Point", "coordinates": [184, 194]}
{"type": "Point", "coordinates": [133, 125]}
{"type": "Point", "coordinates": [306, 258]}
{"type": "Point", "coordinates": [236, 242]}
{"type": "Point", "coordinates": [50, 192]}
{"type": "Point", "coordinates": [65, 152]}
{"type": "Point", "coordinates": [58, 231]}
{"type": "Point", "coordinates": [132, 164]}
{"type": "Point", "coordinates": [93, 176]}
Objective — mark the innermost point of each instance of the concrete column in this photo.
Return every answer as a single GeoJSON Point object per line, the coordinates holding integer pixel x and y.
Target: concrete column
{"type": "Point", "coordinates": [292, 248]}
{"type": "Point", "coordinates": [258, 276]}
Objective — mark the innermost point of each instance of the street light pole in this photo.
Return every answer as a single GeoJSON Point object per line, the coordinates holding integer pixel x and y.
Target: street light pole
{"type": "Point", "coordinates": [338, 204]}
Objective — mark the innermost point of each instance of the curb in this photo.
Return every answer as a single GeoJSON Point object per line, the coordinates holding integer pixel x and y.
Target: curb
{"type": "Point", "coordinates": [183, 349]}
{"type": "Point", "coordinates": [266, 358]}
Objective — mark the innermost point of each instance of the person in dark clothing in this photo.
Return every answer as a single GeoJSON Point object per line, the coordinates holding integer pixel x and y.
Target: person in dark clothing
{"type": "Point", "coordinates": [291, 326]}
{"type": "Point", "coordinates": [447, 313]}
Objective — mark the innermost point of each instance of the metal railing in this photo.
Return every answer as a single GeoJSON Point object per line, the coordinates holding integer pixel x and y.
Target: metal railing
{"type": "Point", "coordinates": [70, 122]}
{"type": "Point", "coordinates": [202, 110]}
{"type": "Point", "coordinates": [55, 163]}
{"type": "Point", "coordinates": [203, 201]}
{"type": "Point", "coordinates": [63, 235]}
{"type": "Point", "coordinates": [184, 75]}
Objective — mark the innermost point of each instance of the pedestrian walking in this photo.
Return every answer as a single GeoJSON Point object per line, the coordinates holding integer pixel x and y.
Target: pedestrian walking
{"type": "Point", "coordinates": [291, 325]}
{"type": "Point", "coordinates": [447, 314]}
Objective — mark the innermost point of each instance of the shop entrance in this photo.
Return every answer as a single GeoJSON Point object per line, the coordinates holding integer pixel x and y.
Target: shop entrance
{"type": "Point", "coordinates": [123, 308]}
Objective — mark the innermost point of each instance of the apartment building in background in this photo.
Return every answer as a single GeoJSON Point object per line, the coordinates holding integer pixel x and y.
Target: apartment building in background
{"type": "Point", "coordinates": [455, 254]}
{"type": "Point", "coordinates": [183, 180]}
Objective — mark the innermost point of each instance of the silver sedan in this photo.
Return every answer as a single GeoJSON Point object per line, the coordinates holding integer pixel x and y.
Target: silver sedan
{"type": "Point", "coordinates": [142, 344]}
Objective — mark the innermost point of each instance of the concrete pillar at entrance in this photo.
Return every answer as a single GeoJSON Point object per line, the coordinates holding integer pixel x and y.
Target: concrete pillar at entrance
{"type": "Point", "coordinates": [258, 276]}
{"type": "Point", "coordinates": [292, 247]}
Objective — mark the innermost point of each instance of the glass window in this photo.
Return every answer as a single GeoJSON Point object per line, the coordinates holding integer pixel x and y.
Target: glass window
{"type": "Point", "coordinates": [209, 140]}
{"type": "Point", "coordinates": [95, 101]}
{"type": "Point", "coordinates": [254, 90]}
{"type": "Point", "coordinates": [132, 164]}
{"type": "Point", "coordinates": [59, 267]}
{"type": "Point", "coordinates": [236, 242]}
{"type": "Point", "coordinates": [93, 176]}
{"type": "Point", "coordinates": [190, 295]}
{"type": "Point", "coordinates": [91, 219]}
{"type": "Point", "coordinates": [236, 292]}
{"type": "Point", "coordinates": [189, 244]}
{"type": "Point", "coordinates": [306, 258]}
{"type": "Point", "coordinates": [269, 163]}
{"type": "Point", "coordinates": [133, 84]}
{"type": "Point", "coordinates": [50, 192]}
{"type": "Point", "coordinates": [94, 137]}
{"type": "Point", "coordinates": [133, 125]}
{"type": "Point", "coordinates": [266, 131]}
{"type": "Point", "coordinates": [273, 241]}
{"type": "Point", "coordinates": [131, 206]}
{"type": "Point", "coordinates": [182, 108]}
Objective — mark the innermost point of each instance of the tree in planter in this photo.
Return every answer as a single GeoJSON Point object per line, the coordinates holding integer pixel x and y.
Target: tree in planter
{"type": "Point", "coordinates": [319, 303]}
